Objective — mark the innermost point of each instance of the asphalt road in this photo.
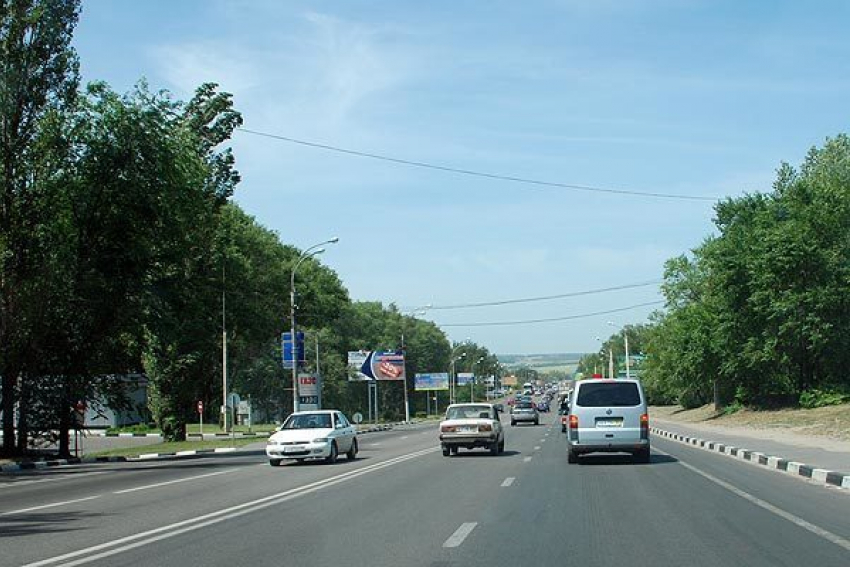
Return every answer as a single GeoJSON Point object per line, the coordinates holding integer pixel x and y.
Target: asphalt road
{"type": "Point", "coordinates": [403, 504]}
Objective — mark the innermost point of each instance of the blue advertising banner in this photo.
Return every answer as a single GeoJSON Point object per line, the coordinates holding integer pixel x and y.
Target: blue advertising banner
{"type": "Point", "coordinates": [430, 382]}
{"type": "Point", "coordinates": [464, 378]}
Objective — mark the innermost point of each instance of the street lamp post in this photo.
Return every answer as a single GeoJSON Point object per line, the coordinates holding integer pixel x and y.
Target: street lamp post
{"type": "Point", "coordinates": [602, 352]}
{"type": "Point", "coordinates": [310, 252]}
{"type": "Point", "coordinates": [414, 313]}
{"type": "Point", "coordinates": [626, 343]}
{"type": "Point", "coordinates": [453, 378]}
{"type": "Point", "coordinates": [472, 382]}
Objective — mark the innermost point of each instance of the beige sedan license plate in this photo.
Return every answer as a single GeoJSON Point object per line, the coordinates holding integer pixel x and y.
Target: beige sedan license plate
{"type": "Point", "coordinates": [467, 430]}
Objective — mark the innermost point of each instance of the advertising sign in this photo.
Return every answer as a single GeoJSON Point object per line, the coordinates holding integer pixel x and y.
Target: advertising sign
{"type": "Point", "coordinates": [387, 365]}
{"type": "Point", "coordinates": [356, 360]}
{"type": "Point", "coordinates": [509, 381]}
{"type": "Point", "coordinates": [377, 365]}
{"type": "Point", "coordinates": [308, 392]}
{"type": "Point", "coordinates": [430, 382]}
{"type": "Point", "coordinates": [464, 378]}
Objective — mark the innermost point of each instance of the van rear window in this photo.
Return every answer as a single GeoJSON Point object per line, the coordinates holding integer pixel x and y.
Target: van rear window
{"type": "Point", "coordinates": [608, 394]}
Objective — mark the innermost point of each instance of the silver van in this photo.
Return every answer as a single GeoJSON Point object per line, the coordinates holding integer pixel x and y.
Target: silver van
{"type": "Point", "coordinates": [608, 416]}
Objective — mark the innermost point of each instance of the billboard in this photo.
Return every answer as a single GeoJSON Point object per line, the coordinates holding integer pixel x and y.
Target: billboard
{"type": "Point", "coordinates": [377, 365]}
{"type": "Point", "coordinates": [356, 359]}
{"type": "Point", "coordinates": [308, 392]}
{"type": "Point", "coordinates": [430, 382]}
{"type": "Point", "coordinates": [464, 378]}
{"type": "Point", "coordinates": [509, 381]}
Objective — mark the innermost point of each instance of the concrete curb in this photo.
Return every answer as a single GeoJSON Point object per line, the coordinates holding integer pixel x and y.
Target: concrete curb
{"type": "Point", "coordinates": [155, 456]}
{"type": "Point", "coordinates": [822, 476]}
{"type": "Point", "coordinates": [59, 462]}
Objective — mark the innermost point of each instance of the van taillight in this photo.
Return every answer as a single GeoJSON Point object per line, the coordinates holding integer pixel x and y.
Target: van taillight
{"type": "Point", "coordinates": [644, 421]}
{"type": "Point", "coordinates": [573, 422]}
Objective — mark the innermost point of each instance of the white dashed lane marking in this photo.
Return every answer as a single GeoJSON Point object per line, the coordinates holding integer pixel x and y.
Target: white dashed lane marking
{"type": "Point", "coordinates": [527, 459]}
{"type": "Point", "coordinates": [460, 534]}
{"type": "Point", "coordinates": [508, 481]}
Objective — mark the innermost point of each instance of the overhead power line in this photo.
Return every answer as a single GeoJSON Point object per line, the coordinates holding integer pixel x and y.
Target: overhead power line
{"type": "Point", "coordinates": [544, 297]}
{"type": "Point", "coordinates": [552, 319]}
{"type": "Point", "coordinates": [470, 172]}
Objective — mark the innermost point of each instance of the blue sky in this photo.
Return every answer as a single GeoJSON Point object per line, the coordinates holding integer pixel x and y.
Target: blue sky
{"type": "Point", "coordinates": [690, 97]}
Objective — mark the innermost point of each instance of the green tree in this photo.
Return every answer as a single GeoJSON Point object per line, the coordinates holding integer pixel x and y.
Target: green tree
{"type": "Point", "coordinates": [38, 80]}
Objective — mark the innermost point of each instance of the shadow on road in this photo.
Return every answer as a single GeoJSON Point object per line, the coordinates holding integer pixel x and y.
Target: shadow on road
{"type": "Point", "coordinates": [482, 453]}
{"type": "Point", "coordinates": [617, 459]}
{"type": "Point", "coordinates": [25, 524]}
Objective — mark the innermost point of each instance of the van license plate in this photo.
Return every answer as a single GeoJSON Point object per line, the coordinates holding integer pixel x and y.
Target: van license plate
{"type": "Point", "coordinates": [618, 422]}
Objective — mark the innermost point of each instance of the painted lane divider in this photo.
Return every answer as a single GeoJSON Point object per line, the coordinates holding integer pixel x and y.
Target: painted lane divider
{"type": "Point", "coordinates": [110, 548]}
{"type": "Point", "coordinates": [168, 482]}
{"type": "Point", "coordinates": [527, 459]}
{"type": "Point", "coordinates": [508, 481]}
{"type": "Point", "coordinates": [817, 530]}
{"type": "Point", "coordinates": [42, 507]}
{"type": "Point", "coordinates": [460, 534]}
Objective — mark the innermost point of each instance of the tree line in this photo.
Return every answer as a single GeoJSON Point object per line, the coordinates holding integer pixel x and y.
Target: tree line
{"type": "Point", "coordinates": [759, 313]}
{"type": "Point", "coordinates": [122, 255]}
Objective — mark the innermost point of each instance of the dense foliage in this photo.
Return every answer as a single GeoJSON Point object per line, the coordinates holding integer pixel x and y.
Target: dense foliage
{"type": "Point", "coordinates": [760, 313]}
{"type": "Point", "coordinates": [122, 258]}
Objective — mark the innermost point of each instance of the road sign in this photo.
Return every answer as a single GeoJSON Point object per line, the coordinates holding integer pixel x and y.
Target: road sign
{"type": "Point", "coordinates": [357, 417]}
{"type": "Point", "coordinates": [286, 341]}
{"type": "Point", "coordinates": [200, 406]}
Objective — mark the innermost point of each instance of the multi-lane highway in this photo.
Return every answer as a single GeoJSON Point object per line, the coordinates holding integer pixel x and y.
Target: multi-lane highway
{"type": "Point", "coordinates": [402, 503]}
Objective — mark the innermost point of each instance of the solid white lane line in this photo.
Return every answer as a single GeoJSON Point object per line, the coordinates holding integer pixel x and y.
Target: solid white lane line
{"type": "Point", "coordinates": [460, 534]}
{"type": "Point", "coordinates": [166, 483]}
{"type": "Point", "coordinates": [55, 504]}
{"type": "Point", "coordinates": [817, 530]}
{"type": "Point", "coordinates": [134, 541]}
{"type": "Point", "coordinates": [508, 481]}
{"type": "Point", "coordinates": [527, 459]}
{"type": "Point", "coordinates": [51, 479]}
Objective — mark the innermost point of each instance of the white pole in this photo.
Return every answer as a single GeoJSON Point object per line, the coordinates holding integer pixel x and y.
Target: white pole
{"type": "Point", "coordinates": [626, 337]}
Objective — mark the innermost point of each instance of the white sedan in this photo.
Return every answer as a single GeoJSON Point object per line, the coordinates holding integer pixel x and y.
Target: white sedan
{"type": "Point", "coordinates": [322, 434]}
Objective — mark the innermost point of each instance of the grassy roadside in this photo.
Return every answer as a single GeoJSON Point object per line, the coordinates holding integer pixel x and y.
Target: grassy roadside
{"type": "Point", "coordinates": [831, 421]}
{"type": "Point", "coordinates": [174, 447]}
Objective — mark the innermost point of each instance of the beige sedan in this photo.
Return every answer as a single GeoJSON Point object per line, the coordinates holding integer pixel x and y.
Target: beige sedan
{"type": "Point", "coordinates": [470, 426]}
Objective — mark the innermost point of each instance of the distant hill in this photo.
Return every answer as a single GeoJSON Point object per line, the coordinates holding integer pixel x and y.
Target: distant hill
{"type": "Point", "coordinates": [542, 362]}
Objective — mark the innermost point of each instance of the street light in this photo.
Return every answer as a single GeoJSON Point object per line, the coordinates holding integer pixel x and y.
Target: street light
{"type": "Point", "coordinates": [418, 311]}
{"type": "Point", "coordinates": [472, 382]}
{"type": "Point", "coordinates": [626, 341]}
{"type": "Point", "coordinates": [453, 378]}
{"type": "Point", "coordinates": [310, 252]}
{"type": "Point", "coordinates": [602, 353]}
